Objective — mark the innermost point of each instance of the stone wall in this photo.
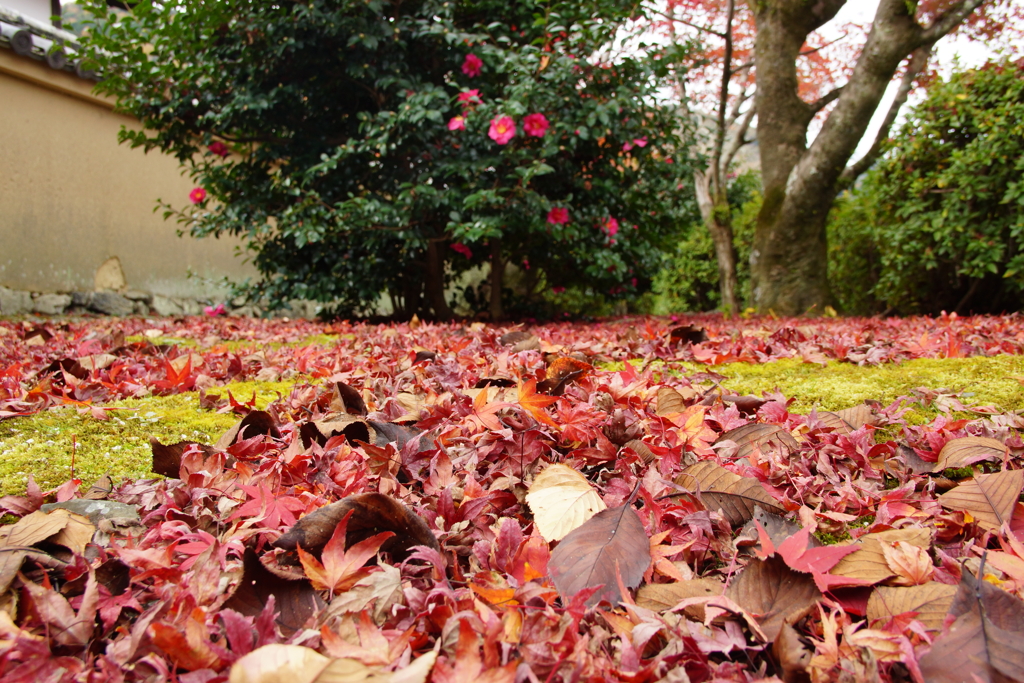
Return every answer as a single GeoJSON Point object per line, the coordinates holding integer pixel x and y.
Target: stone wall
{"type": "Point", "coordinates": [14, 302]}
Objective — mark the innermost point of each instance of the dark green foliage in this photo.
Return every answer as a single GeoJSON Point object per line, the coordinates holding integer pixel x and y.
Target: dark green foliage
{"type": "Point", "coordinates": [689, 282]}
{"type": "Point", "coordinates": [343, 175]}
{"type": "Point", "coordinates": [939, 223]}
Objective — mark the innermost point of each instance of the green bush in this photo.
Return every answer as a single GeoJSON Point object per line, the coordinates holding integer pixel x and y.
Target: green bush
{"type": "Point", "coordinates": [689, 279]}
{"type": "Point", "coordinates": [938, 224]}
{"type": "Point", "coordinates": [352, 143]}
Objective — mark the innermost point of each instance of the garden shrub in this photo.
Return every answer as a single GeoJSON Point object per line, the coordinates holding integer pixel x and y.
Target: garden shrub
{"type": "Point", "coordinates": [938, 224]}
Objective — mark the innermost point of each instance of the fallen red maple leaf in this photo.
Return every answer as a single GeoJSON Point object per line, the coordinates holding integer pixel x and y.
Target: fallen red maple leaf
{"type": "Point", "coordinates": [341, 569]}
{"type": "Point", "coordinates": [535, 403]}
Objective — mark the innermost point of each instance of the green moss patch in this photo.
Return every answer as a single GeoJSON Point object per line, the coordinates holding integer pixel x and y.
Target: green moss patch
{"type": "Point", "coordinates": [979, 380]}
{"type": "Point", "coordinates": [43, 444]}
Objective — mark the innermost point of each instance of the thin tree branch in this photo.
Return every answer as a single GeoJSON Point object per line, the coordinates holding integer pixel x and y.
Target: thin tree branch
{"type": "Point", "coordinates": [741, 137]}
{"type": "Point", "coordinates": [826, 99]}
{"type": "Point", "coordinates": [918, 60]}
{"type": "Point", "coordinates": [717, 188]}
{"type": "Point", "coordinates": [952, 18]}
{"type": "Point", "coordinates": [705, 29]}
{"type": "Point", "coordinates": [734, 111]}
{"type": "Point", "coordinates": [822, 47]}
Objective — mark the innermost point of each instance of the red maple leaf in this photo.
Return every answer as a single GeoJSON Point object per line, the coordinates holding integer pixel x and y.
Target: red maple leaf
{"type": "Point", "coordinates": [536, 403]}
{"type": "Point", "coordinates": [485, 414]}
{"type": "Point", "coordinates": [815, 561]}
{"type": "Point", "coordinates": [269, 509]}
{"type": "Point", "coordinates": [341, 569]}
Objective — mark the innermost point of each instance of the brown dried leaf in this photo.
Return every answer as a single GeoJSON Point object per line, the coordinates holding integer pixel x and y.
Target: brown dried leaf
{"type": "Point", "coordinates": [720, 489]}
{"type": "Point", "coordinates": [661, 597]}
{"type": "Point", "coordinates": [33, 528]}
{"type": "Point", "coordinates": [279, 663]}
{"type": "Point", "coordinates": [792, 655]}
{"type": "Point", "coordinates": [774, 593]}
{"type": "Point", "coordinates": [354, 428]}
{"type": "Point", "coordinates": [75, 535]}
{"type": "Point", "coordinates": [346, 399]}
{"type": "Point", "coordinates": [687, 334]}
{"type": "Point", "coordinates": [100, 489]}
{"type": "Point", "coordinates": [561, 500]}
{"type": "Point", "coordinates": [670, 401]}
{"type": "Point", "coordinates": [612, 543]}
{"type": "Point", "coordinates": [989, 498]}
{"type": "Point", "coordinates": [859, 415]}
{"type": "Point", "coordinates": [372, 513]}
{"type": "Point", "coordinates": [985, 643]}
{"type": "Point", "coordinates": [641, 449]}
{"type": "Point", "coordinates": [868, 561]}
{"type": "Point", "coordinates": [167, 458]}
{"type": "Point", "coordinates": [931, 601]}
{"type": "Point", "coordinates": [294, 601]}
{"type": "Point", "coordinates": [765, 437]}
{"type": "Point", "coordinates": [835, 422]}
{"type": "Point", "coordinates": [256, 422]}
{"type": "Point", "coordinates": [969, 450]}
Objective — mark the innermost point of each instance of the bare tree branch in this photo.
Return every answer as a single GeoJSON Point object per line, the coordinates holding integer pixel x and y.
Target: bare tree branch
{"type": "Point", "coordinates": [705, 29]}
{"type": "Point", "coordinates": [740, 139]}
{"type": "Point", "coordinates": [826, 99]}
{"type": "Point", "coordinates": [918, 61]}
{"type": "Point", "coordinates": [723, 102]}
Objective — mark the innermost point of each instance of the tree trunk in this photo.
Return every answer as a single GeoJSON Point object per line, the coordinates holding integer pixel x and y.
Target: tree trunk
{"type": "Point", "coordinates": [788, 263]}
{"type": "Point", "coordinates": [718, 220]}
{"type": "Point", "coordinates": [497, 279]}
{"type": "Point", "coordinates": [434, 282]}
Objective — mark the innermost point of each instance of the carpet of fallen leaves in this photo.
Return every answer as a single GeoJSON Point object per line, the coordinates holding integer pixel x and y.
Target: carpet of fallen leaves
{"type": "Point", "coordinates": [477, 503]}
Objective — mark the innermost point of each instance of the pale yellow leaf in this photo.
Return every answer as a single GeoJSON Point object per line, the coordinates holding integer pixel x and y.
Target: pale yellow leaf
{"type": "Point", "coordinates": [561, 500]}
{"type": "Point", "coordinates": [279, 663]}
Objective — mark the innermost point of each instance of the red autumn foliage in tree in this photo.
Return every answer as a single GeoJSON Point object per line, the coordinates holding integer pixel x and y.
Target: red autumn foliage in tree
{"type": "Point", "coordinates": [811, 97]}
{"type": "Point", "coordinates": [720, 539]}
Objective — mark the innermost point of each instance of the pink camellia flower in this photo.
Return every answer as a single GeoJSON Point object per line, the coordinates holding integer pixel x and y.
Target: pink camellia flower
{"type": "Point", "coordinates": [457, 123]}
{"type": "Point", "coordinates": [215, 310]}
{"type": "Point", "coordinates": [197, 195]}
{"type": "Point", "coordinates": [468, 98]}
{"type": "Point", "coordinates": [526, 263]}
{"type": "Point", "coordinates": [611, 226]}
{"type": "Point", "coordinates": [558, 216]}
{"type": "Point", "coordinates": [535, 125]}
{"type": "Point", "coordinates": [635, 142]}
{"type": "Point", "coordinates": [219, 148]}
{"type": "Point", "coordinates": [557, 290]}
{"type": "Point", "coordinates": [503, 129]}
{"type": "Point", "coordinates": [472, 66]}
{"type": "Point", "coordinates": [460, 248]}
